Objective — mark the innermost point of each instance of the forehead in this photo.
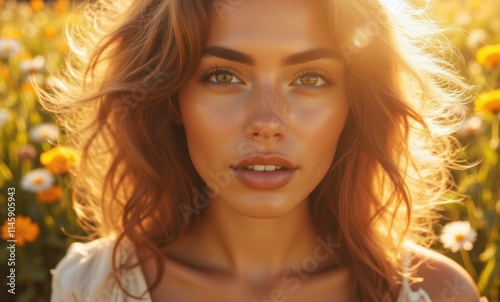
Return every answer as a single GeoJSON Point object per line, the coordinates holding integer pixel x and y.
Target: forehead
{"type": "Point", "coordinates": [269, 21]}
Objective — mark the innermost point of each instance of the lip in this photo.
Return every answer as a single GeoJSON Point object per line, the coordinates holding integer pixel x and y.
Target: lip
{"type": "Point", "coordinates": [261, 159]}
{"type": "Point", "coordinates": [264, 180]}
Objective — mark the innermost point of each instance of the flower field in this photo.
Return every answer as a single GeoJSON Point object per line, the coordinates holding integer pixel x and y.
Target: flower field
{"type": "Point", "coordinates": [34, 164]}
{"type": "Point", "coordinates": [33, 167]}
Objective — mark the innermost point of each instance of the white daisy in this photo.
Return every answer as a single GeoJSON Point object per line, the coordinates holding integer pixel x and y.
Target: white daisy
{"type": "Point", "coordinates": [8, 48]}
{"type": "Point", "coordinates": [4, 116]}
{"type": "Point", "coordinates": [477, 38]}
{"type": "Point", "coordinates": [35, 79]}
{"type": "Point", "coordinates": [37, 180]}
{"type": "Point", "coordinates": [30, 66]}
{"type": "Point", "coordinates": [463, 19]}
{"type": "Point", "coordinates": [458, 235]}
{"type": "Point", "coordinates": [43, 132]}
{"type": "Point", "coordinates": [472, 126]}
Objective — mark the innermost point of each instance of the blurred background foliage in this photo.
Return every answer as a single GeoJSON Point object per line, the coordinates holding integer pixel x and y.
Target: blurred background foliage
{"type": "Point", "coordinates": [32, 43]}
{"type": "Point", "coordinates": [469, 231]}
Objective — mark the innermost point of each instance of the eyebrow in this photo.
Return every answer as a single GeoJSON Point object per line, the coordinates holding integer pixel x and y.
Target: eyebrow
{"type": "Point", "coordinates": [297, 58]}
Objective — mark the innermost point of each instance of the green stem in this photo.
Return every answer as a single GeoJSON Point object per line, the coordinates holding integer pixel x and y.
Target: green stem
{"type": "Point", "coordinates": [495, 138]}
{"type": "Point", "coordinates": [5, 172]}
{"type": "Point", "coordinates": [468, 263]}
{"type": "Point", "coordinates": [493, 233]}
{"type": "Point", "coordinates": [495, 76]}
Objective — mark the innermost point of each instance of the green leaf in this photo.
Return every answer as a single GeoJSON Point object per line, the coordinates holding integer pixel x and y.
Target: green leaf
{"type": "Point", "coordinates": [487, 276]}
{"type": "Point", "coordinates": [488, 253]}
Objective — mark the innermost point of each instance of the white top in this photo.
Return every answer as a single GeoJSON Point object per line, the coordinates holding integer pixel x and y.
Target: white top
{"type": "Point", "coordinates": [85, 275]}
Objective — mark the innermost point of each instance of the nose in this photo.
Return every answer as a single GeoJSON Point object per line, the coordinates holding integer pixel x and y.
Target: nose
{"type": "Point", "coordinates": [267, 122]}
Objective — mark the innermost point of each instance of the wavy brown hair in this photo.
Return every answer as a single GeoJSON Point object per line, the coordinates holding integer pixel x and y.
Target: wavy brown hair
{"type": "Point", "coordinates": [116, 98]}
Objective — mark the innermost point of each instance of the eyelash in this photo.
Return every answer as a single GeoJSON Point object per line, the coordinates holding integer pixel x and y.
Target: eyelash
{"type": "Point", "coordinates": [308, 72]}
{"type": "Point", "coordinates": [217, 70]}
{"type": "Point", "coordinates": [329, 80]}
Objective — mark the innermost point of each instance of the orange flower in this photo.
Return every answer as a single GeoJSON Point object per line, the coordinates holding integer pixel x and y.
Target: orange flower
{"type": "Point", "coordinates": [49, 195]}
{"type": "Point", "coordinates": [36, 5]}
{"type": "Point", "coordinates": [23, 230]}
{"type": "Point", "coordinates": [489, 55]}
{"type": "Point", "coordinates": [61, 6]}
{"type": "Point", "coordinates": [60, 159]}
{"type": "Point", "coordinates": [488, 101]}
{"type": "Point", "coordinates": [4, 72]}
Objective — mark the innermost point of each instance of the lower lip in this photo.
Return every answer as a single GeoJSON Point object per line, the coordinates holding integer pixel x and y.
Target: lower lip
{"type": "Point", "coordinates": [264, 180]}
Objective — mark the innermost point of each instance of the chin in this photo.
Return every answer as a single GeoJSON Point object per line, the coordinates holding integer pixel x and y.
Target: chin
{"type": "Point", "coordinates": [264, 206]}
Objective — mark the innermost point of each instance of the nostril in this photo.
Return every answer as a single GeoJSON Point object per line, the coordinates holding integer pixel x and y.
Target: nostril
{"type": "Point", "coordinates": [266, 130]}
{"type": "Point", "coordinates": [266, 135]}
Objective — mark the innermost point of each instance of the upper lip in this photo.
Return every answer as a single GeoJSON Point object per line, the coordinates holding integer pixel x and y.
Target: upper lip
{"type": "Point", "coordinates": [265, 159]}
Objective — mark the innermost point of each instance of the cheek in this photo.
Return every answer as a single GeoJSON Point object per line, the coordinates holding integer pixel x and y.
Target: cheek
{"type": "Point", "coordinates": [320, 129]}
{"type": "Point", "coordinates": [198, 137]}
{"type": "Point", "coordinates": [209, 129]}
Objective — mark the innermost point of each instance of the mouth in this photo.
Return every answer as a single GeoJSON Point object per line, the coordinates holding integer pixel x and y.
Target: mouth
{"type": "Point", "coordinates": [264, 172]}
{"type": "Point", "coordinates": [265, 163]}
{"type": "Point", "coordinates": [264, 168]}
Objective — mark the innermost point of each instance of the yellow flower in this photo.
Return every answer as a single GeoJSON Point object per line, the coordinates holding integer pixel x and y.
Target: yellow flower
{"type": "Point", "coordinates": [63, 47]}
{"type": "Point", "coordinates": [50, 32]}
{"type": "Point", "coordinates": [488, 101]}
{"type": "Point", "coordinates": [474, 3]}
{"type": "Point", "coordinates": [22, 229]}
{"type": "Point", "coordinates": [49, 195]}
{"type": "Point", "coordinates": [59, 160]}
{"type": "Point", "coordinates": [489, 55]}
{"type": "Point", "coordinates": [11, 33]}
{"type": "Point", "coordinates": [36, 5]}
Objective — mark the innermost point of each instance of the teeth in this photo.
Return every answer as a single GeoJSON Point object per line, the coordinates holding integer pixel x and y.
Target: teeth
{"type": "Point", "coordinates": [262, 168]}
{"type": "Point", "coordinates": [259, 168]}
{"type": "Point", "coordinates": [270, 168]}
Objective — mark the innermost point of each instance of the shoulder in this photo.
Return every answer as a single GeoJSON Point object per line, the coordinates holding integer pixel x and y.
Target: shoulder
{"type": "Point", "coordinates": [86, 271]}
{"type": "Point", "coordinates": [442, 278]}
{"type": "Point", "coordinates": [83, 267]}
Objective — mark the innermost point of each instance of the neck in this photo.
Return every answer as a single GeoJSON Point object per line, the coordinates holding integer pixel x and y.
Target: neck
{"type": "Point", "coordinates": [261, 249]}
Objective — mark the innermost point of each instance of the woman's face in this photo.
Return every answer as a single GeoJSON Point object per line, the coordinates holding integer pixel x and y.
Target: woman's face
{"type": "Point", "coordinates": [270, 91]}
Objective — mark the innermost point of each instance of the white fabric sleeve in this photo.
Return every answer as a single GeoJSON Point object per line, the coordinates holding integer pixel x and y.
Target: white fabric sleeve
{"type": "Point", "coordinates": [84, 269]}
{"type": "Point", "coordinates": [86, 274]}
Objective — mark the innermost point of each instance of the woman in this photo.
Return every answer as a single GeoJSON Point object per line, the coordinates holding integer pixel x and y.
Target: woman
{"type": "Point", "coordinates": [258, 151]}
